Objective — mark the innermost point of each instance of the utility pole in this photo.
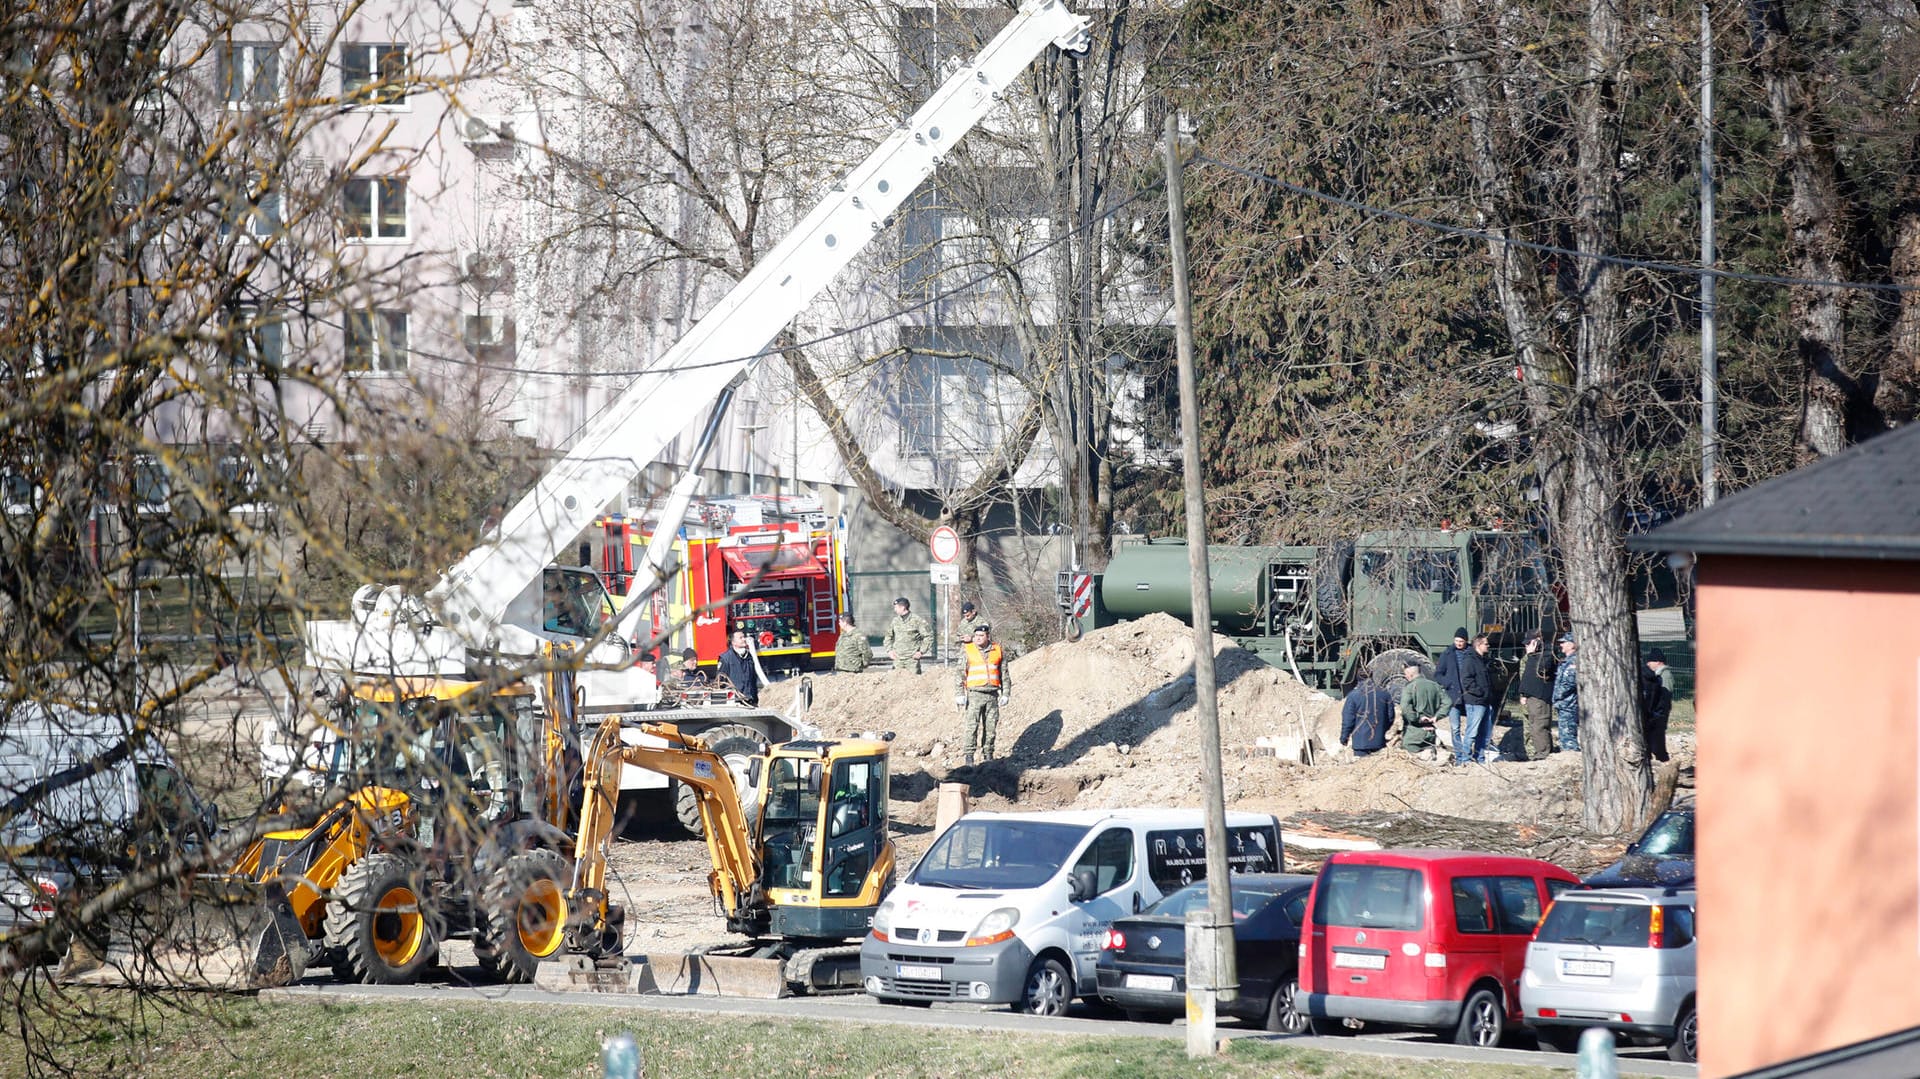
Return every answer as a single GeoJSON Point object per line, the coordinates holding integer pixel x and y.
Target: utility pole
{"type": "Point", "coordinates": [1709, 362]}
{"type": "Point", "coordinates": [753, 475]}
{"type": "Point", "coordinates": [1224, 984]}
{"type": "Point", "coordinates": [1083, 317]}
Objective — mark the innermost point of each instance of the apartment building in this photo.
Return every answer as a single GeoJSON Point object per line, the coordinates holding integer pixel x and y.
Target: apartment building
{"type": "Point", "coordinates": [518, 205]}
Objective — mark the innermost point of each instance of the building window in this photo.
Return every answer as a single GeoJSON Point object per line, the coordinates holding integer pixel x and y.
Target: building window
{"type": "Point", "coordinates": [376, 342]}
{"type": "Point", "coordinates": [256, 341]}
{"type": "Point", "coordinates": [376, 209]}
{"type": "Point", "coordinates": [253, 208]}
{"type": "Point", "coordinates": [373, 74]}
{"type": "Point", "coordinates": [250, 74]}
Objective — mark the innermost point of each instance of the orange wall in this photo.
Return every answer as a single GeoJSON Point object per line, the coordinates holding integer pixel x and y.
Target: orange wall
{"type": "Point", "coordinates": [1809, 805]}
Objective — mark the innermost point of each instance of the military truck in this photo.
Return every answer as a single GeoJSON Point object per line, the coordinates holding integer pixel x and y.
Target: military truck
{"type": "Point", "coordinates": [1322, 612]}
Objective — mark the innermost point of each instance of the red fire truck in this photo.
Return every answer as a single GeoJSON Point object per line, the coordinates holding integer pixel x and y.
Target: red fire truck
{"type": "Point", "coordinates": [793, 554]}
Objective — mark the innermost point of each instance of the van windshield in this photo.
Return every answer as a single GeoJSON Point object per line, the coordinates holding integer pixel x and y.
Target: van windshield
{"type": "Point", "coordinates": [1370, 897]}
{"type": "Point", "coordinates": [998, 854]}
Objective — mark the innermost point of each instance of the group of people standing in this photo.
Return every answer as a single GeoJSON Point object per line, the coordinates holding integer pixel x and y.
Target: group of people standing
{"type": "Point", "coordinates": [1464, 689]}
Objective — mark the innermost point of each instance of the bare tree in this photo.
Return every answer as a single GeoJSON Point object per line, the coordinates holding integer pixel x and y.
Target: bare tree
{"type": "Point", "coordinates": [182, 321]}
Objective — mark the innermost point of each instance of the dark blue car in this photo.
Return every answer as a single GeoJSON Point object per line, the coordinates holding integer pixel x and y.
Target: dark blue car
{"type": "Point", "coordinates": [1661, 858]}
{"type": "Point", "coordinates": [1143, 959]}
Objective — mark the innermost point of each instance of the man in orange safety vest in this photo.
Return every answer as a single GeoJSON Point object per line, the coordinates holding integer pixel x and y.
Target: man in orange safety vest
{"type": "Point", "coordinates": [983, 684]}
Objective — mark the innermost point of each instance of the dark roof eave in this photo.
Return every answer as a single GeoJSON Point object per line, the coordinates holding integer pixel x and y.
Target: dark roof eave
{"type": "Point", "coordinates": [1661, 540]}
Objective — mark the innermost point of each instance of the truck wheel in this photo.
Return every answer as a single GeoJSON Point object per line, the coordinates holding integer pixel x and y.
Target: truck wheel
{"type": "Point", "coordinates": [378, 922]}
{"type": "Point", "coordinates": [731, 742]}
{"type": "Point", "coordinates": [1047, 990]}
{"type": "Point", "coordinates": [522, 916]}
{"type": "Point", "coordinates": [1388, 669]}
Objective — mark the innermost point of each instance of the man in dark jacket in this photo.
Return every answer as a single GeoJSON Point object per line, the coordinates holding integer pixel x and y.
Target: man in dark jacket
{"type": "Point", "coordinates": [1656, 704]}
{"type": "Point", "coordinates": [1446, 671]}
{"type": "Point", "coordinates": [741, 670]}
{"type": "Point", "coordinates": [1366, 717]}
{"type": "Point", "coordinates": [1536, 697]}
{"type": "Point", "coordinates": [1476, 685]}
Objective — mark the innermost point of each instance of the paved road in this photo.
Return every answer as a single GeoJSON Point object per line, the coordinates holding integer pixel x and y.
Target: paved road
{"type": "Point", "coordinates": [862, 1009]}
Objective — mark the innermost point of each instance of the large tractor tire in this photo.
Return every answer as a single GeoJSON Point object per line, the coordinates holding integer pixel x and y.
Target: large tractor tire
{"type": "Point", "coordinates": [733, 743]}
{"type": "Point", "coordinates": [378, 922]}
{"type": "Point", "coordinates": [522, 917]}
{"type": "Point", "coordinates": [1388, 669]}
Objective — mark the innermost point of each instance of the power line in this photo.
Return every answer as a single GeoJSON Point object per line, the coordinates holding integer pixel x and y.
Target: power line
{"type": "Point", "coordinates": [1549, 249]}
{"type": "Point", "coordinates": [846, 331]}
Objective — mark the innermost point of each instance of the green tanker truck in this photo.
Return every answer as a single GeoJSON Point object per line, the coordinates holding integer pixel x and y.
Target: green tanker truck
{"type": "Point", "coordinates": [1323, 612]}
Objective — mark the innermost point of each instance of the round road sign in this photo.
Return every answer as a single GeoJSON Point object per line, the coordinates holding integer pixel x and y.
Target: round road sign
{"type": "Point", "coordinates": [945, 544]}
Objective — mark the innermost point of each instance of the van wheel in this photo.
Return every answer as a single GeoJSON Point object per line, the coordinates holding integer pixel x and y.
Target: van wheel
{"type": "Point", "coordinates": [1686, 1038]}
{"type": "Point", "coordinates": [1047, 990]}
{"type": "Point", "coordinates": [1483, 1021]}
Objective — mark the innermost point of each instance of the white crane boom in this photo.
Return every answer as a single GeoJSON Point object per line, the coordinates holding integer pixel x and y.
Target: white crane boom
{"type": "Point", "coordinates": [391, 634]}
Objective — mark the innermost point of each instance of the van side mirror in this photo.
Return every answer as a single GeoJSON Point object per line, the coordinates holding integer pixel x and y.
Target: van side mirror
{"type": "Point", "coordinates": [1082, 888]}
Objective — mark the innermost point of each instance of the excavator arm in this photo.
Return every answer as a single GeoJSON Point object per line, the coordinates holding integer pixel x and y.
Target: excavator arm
{"type": "Point", "coordinates": [735, 878]}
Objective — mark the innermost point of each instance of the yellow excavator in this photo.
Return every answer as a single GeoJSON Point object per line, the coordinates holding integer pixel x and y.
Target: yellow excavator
{"type": "Point", "coordinates": [800, 869]}
{"type": "Point", "coordinates": [447, 830]}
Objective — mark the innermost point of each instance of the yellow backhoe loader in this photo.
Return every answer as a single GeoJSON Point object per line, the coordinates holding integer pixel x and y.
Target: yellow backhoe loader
{"type": "Point", "coordinates": [446, 832]}
{"type": "Point", "coordinates": [800, 869]}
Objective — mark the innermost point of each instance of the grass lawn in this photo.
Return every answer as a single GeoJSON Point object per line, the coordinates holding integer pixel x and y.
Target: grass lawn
{"type": "Point", "coordinates": [244, 1037]}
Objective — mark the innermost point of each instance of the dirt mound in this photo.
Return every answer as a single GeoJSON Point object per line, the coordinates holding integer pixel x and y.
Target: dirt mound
{"type": "Point", "coordinates": [1128, 685]}
{"type": "Point", "coordinates": [1109, 721]}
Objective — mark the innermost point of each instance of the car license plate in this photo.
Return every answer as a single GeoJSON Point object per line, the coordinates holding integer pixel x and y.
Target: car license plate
{"type": "Point", "coordinates": [1360, 960]}
{"type": "Point", "coordinates": [927, 974]}
{"type": "Point", "coordinates": [1594, 968]}
{"type": "Point", "coordinates": [1160, 982]}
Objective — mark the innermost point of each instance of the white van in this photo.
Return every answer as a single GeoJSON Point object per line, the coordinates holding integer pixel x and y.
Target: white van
{"type": "Point", "coordinates": [1007, 908]}
{"type": "Point", "coordinates": [78, 838]}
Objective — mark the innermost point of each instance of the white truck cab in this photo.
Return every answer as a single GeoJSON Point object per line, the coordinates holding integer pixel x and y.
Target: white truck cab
{"type": "Point", "coordinates": [1007, 908]}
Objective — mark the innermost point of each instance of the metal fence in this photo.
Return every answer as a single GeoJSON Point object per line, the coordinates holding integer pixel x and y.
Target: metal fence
{"type": "Point", "coordinates": [870, 597]}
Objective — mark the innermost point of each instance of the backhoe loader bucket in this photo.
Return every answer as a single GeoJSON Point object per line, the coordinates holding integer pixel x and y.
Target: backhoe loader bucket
{"type": "Point", "coordinates": [716, 975]}
{"type": "Point", "coordinates": [229, 933]}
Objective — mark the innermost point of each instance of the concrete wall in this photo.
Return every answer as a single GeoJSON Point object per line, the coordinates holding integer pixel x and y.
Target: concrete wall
{"type": "Point", "coordinates": [1809, 805]}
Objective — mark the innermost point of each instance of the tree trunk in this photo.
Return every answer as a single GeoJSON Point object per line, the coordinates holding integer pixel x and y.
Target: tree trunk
{"type": "Point", "coordinates": [1577, 440]}
{"type": "Point", "coordinates": [1816, 216]}
{"type": "Point", "coordinates": [1898, 396]}
{"type": "Point", "coordinates": [1619, 784]}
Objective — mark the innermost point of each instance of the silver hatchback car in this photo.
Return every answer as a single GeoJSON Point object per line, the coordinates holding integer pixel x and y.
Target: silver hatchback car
{"type": "Point", "coordinates": [1622, 959]}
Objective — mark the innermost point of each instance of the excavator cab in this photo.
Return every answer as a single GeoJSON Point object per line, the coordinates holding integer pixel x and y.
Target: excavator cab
{"type": "Point", "coordinates": [803, 858]}
{"type": "Point", "coordinates": [822, 827]}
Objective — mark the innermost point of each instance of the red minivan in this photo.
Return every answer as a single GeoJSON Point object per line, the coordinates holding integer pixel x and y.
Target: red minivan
{"type": "Point", "coordinates": [1423, 938]}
